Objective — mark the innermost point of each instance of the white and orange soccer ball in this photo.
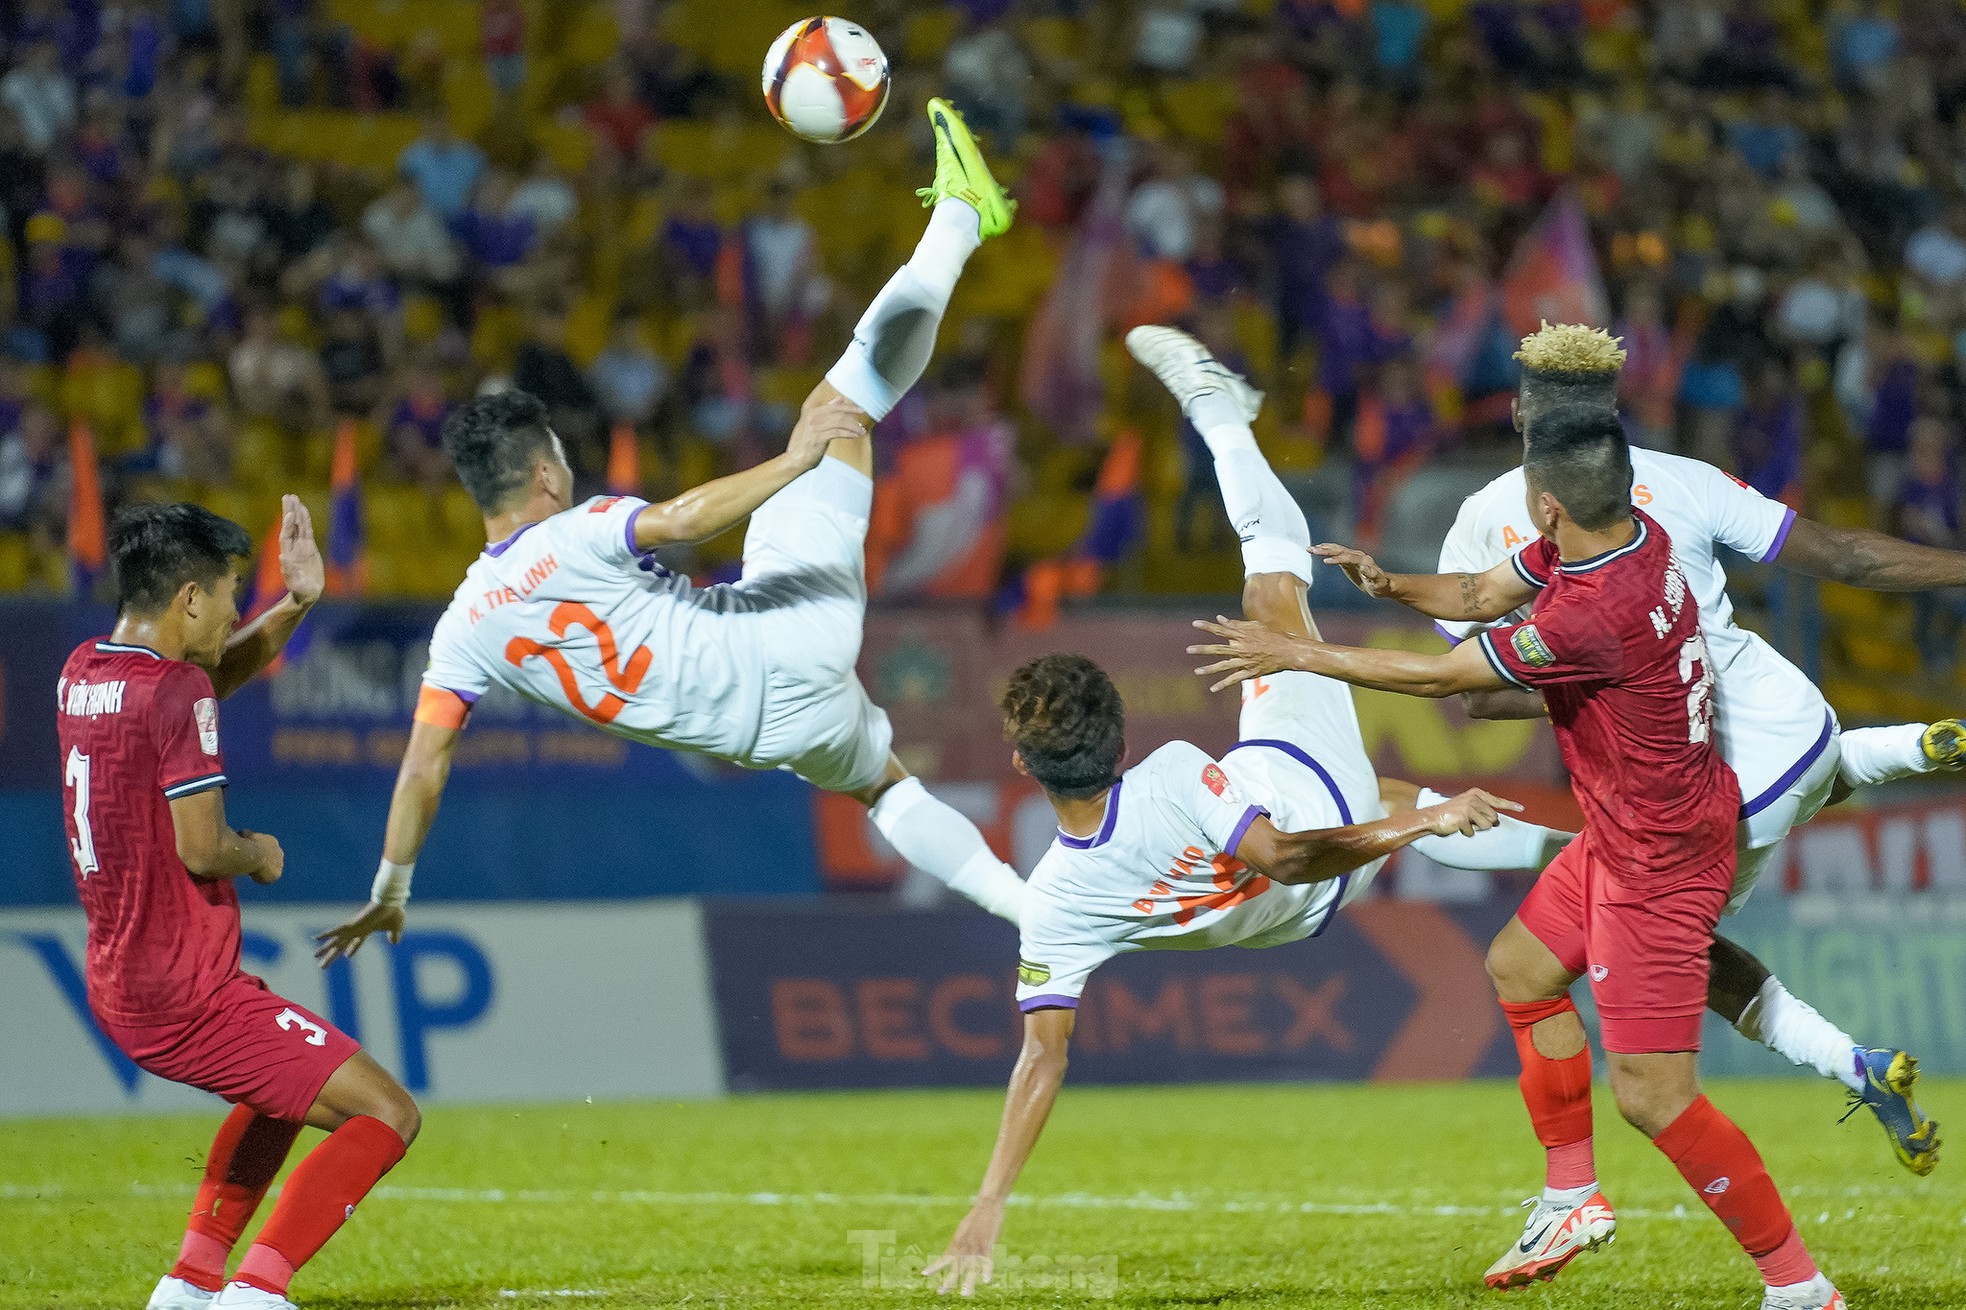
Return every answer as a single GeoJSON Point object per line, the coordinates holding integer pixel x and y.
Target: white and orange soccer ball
{"type": "Point", "coordinates": [826, 79]}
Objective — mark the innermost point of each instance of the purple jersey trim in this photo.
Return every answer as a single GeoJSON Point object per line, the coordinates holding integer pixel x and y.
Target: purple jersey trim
{"type": "Point", "coordinates": [1781, 538]}
{"type": "Point", "coordinates": [1795, 770]}
{"type": "Point", "coordinates": [628, 533]}
{"type": "Point", "coordinates": [1105, 833]}
{"type": "Point", "coordinates": [1297, 753]}
{"type": "Point", "coordinates": [1048, 1002]}
{"type": "Point", "coordinates": [500, 547]}
{"type": "Point", "coordinates": [1452, 640]}
{"type": "Point", "coordinates": [1249, 816]}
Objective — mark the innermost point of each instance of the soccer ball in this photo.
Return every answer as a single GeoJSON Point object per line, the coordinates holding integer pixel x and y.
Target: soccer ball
{"type": "Point", "coordinates": [825, 79]}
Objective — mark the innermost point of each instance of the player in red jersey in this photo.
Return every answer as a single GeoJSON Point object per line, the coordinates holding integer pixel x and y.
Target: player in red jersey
{"type": "Point", "coordinates": [1614, 644]}
{"type": "Point", "coordinates": [154, 862]}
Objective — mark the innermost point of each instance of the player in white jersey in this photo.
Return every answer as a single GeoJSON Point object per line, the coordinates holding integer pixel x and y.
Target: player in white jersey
{"type": "Point", "coordinates": [569, 608]}
{"type": "Point", "coordinates": [1184, 852]}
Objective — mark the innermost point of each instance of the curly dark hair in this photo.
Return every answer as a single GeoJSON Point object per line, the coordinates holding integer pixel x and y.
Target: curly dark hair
{"type": "Point", "coordinates": [1066, 719]}
{"type": "Point", "coordinates": [494, 441]}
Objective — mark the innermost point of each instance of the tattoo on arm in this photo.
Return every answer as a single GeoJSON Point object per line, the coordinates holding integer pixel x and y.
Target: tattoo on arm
{"type": "Point", "coordinates": [1470, 594]}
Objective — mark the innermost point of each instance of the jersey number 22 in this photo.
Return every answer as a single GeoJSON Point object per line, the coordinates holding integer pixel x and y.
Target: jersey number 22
{"type": "Point", "coordinates": [625, 677]}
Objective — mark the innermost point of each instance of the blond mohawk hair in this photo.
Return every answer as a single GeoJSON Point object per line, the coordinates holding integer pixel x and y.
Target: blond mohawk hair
{"type": "Point", "coordinates": [1570, 348]}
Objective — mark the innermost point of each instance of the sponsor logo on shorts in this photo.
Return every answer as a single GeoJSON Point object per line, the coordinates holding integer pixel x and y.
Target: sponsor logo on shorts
{"type": "Point", "coordinates": [1599, 973]}
{"type": "Point", "coordinates": [206, 714]}
{"type": "Point", "coordinates": [1033, 975]}
{"type": "Point", "coordinates": [1530, 647]}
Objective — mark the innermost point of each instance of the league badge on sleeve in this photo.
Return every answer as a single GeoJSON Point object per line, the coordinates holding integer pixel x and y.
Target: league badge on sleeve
{"type": "Point", "coordinates": [1033, 975]}
{"type": "Point", "coordinates": [1530, 647]}
{"type": "Point", "coordinates": [1218, 782]}
{"type": "Point", "coordinates": [205, 712]}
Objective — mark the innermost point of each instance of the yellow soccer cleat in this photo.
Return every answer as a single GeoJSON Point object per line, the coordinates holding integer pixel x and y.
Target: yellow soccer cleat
{"type": "Point", "coordinates": [1944, 743]}
{"type": "Point", "coordinates": [1889, 1077]}
{"type": "Point", "coordinates": [961, 172]}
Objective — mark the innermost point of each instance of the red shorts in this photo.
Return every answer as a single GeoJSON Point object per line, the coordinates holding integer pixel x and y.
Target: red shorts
{"type": "Point", "coordinates": [1645, 952]}
{"type": "Point", "coordinates": [250, 1046]}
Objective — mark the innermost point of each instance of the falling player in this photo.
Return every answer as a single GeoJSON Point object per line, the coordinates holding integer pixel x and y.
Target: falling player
{"type": "Point", "coordinates": [154, 863]}
{"type": "Point", "coordinates": [568, 607]}
{"type": "Point", "coordinates": [1774, 727]}
{"type": "Point", "coordinates": [1181, 851]}
{"type": "Point", "coordinates": [1615, 645]}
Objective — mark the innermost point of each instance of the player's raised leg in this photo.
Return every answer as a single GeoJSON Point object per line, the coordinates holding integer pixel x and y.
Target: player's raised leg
{"type": "Point", "coordinates": [371, 1122]}
{"type": "Point", "coordinates": [245, 1157]}
{"type": "Point", "coordinates": [1900, 750]}
{"type": "Point", "coordinates": [895, 338]}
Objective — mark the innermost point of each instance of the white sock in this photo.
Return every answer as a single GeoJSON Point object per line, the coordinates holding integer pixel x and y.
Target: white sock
{"type": "Point", "coordinates": [894, 339]}
{"type": "Point", "coordinates": [1873, 755]}
{"type": "Point", "coordinates": [1510, 844]}
{"type": "Point", "coordinates": [1794, 1030]}
{"type": "Point", "coordinates": [1567, 1197]}
{"type": "Point", "coordinates": [1275, 537]}
{"type": "Point", "coordinates": [938, 840]}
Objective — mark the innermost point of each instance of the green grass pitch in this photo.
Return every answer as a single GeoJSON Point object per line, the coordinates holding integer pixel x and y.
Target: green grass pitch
{"type": "Point", "coordinates": [1240, 1196]}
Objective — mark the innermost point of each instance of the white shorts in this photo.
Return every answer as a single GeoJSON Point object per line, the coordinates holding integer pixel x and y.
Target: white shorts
{"type": "Point", "coordinates": [805, 582]}
{"type": "Point", "coordinates": [1300, 755]}
{"type": "Point", "coordinates": [1765, 820]}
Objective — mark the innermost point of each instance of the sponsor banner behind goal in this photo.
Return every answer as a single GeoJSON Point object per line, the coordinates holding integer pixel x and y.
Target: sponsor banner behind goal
{"type": "Point", "coordinates": [526, 1002]}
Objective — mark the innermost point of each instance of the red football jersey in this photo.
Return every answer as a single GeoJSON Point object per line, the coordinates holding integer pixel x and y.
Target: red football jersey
{"type": "Point", "coordinates": [137, 731]}
{"type": "Point", "coordinates": [1614, 644]}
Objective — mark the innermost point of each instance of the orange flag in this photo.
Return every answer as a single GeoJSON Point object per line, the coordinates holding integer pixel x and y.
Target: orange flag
{"type": "Point", "coordinates": [624, 462]}
{"type": "Point", "coordinates": [88, 529]}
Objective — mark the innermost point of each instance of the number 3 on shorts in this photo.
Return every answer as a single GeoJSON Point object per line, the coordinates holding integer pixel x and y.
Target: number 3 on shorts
{"type": "Point", "coordinates": [289, 1019]}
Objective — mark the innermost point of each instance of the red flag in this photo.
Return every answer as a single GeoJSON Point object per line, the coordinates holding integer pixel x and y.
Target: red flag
{"type": "Point", "coordinates": [624, 462]}
{"type": "Point", "coordinates": [88, 531]}
{"type": "Point", "coordinates": [1553, 274]}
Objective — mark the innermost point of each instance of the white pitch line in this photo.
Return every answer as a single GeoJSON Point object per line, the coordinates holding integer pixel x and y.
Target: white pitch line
{"type": "Point", "coordinates": [1178, 1202]}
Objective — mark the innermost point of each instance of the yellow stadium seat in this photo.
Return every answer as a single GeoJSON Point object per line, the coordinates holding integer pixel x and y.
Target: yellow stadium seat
{"type": "Point", "coordinates": [16, 562]}
{"type": "Point", "coordinates": [588, 323]}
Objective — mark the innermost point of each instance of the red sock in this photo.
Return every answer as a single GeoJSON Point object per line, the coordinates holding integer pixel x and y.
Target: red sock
{"type": "Point", "coordinates": [1716, 1158]}
{"type": "Point", "coordinates": [1558, 1094]}
{"type": "Point", "coordinates": [318, 1198]}
{"type": "Point", "coordinates": [246, 1154]}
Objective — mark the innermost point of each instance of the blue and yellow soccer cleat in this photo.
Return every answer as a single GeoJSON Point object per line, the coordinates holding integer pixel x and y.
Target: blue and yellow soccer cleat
{"type": "Point", "coordinates": [1944, 743]}
{"type": "Point", "coordinates": [1889, 1076]}
{"type": "Point", "coordinates": [961, 172]}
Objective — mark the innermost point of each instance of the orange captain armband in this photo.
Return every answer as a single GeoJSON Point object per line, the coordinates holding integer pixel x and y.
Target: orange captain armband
{"type": "Point", "coordinates": [441, 708]}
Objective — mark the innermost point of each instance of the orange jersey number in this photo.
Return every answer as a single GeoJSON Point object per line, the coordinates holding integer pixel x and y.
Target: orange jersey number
{"type": "Point", "coordinates": [627, 678]}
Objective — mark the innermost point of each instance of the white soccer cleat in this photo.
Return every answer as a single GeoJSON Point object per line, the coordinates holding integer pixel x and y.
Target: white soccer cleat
{"type": "Point", "coordinates": [1185, 368]}
{"type": "Point", "coordinates": [1816, 1294]}
{"type": "Point", "coordinates": [244, 1296]}
{"type": "Point", "coordinates": [173, 1293]}
{"type": "Point", "coordinates": [1554, 1236]}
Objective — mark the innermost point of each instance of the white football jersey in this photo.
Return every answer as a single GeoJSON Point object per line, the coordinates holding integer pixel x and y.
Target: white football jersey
{"type": "Point", "coordinates": [1771, 719]}
{"type": "Point", "coordinates": [568, 613]}
{"type": "Point", "coordinates": [1155, 877]}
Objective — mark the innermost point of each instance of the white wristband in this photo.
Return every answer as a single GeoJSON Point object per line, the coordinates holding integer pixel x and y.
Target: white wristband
{"type": "Point", "coordinates": [392, 885]}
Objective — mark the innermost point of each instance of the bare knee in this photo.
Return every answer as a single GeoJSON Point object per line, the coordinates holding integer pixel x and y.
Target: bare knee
{"type": "Point", "coordinates": [1522, 968]}
{"type": "Point", "coordinates": [1654, 1090]}
{"type": "Point", "coordinates": [402, 1114]}
{"type": "Point", "coordinates": [1277, 600]}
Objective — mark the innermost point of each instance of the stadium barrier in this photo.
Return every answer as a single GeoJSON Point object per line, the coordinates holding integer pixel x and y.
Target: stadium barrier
{"type": "Point", "coordinates": [681, 998]}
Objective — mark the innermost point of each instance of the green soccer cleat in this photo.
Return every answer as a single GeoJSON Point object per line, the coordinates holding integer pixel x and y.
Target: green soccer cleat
{"type": "Point", "coordinates": [1889, 1076]}
{"type": "Point", "coordinates": [961, 172]}
{"type": "Point", "coordinates": [1944, 743]}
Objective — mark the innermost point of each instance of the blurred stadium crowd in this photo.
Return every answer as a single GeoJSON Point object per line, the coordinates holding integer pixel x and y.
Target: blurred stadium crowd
{"type": "Point", "coordinates": [262, 244]}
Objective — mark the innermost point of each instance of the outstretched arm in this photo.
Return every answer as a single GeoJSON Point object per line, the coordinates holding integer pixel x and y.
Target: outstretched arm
{"type": "Point", "coordinates": [1252, 650]}
{"type": "Point", "coordinates": [1034, 1088]}
{"type": "Point", "coordinates": [1468, 597]}
{"type": "Point", "coordinates": [1321, 854]}
{"type": "Point", "coordinates": [720, 504]}
{"type": "Point", "coordinates": [420, 784]}
{"type": "Point", "coordinates": [256, 645]}
{"type": "Point", "coordinates": [1863, 558]}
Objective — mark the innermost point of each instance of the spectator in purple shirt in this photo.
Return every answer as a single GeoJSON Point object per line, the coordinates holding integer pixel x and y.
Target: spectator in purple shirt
{"type": "Point", "coordinates": [1346, 345]}
{"type": "Point", "coordinates": [1927, 512]}
{"type": "Point", "coordinates": [1767, 434]}
{"type": "Point", "coordinates": [1305, 242]}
